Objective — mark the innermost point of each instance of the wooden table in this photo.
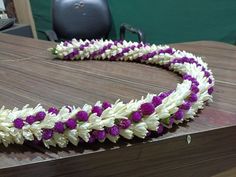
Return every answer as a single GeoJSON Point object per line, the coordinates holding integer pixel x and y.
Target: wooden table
{"type": "Point", "coordinates": [29, 74]}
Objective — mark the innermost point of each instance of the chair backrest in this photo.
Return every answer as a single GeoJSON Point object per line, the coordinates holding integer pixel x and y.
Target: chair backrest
{"type": "Point", "coordinates": [81, 19]}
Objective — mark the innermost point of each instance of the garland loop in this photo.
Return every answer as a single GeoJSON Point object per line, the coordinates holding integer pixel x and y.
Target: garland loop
{"type": "Point", "coordinates": [104, 120]}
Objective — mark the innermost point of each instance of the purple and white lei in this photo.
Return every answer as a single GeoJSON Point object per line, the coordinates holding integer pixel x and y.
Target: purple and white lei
{"type": "Point", "coordinates": [103, 120]}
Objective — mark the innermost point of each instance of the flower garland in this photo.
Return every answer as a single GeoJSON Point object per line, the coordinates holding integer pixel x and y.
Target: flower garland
{"type": "Point", "coordinates": [104, 120]}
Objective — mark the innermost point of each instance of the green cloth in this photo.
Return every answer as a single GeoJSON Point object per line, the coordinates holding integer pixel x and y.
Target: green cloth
{"type": "Point", "coordinates": [163, 21]}
{"type": "Point", "coordinates": [42, 16]}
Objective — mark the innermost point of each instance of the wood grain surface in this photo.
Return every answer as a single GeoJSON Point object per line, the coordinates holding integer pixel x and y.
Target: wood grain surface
{"type": "Point", "coordinates": [30, 75]}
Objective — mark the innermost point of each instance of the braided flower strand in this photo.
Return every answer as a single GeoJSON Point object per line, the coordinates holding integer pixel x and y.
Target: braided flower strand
{"type": "Point", "coordinates": [104, 120]}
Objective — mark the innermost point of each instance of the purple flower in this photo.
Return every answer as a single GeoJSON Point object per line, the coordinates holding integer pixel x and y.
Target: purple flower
{"type": "Point", "coordinates": [101, 51]}
{"type": "Point", "coordinates": [114, 130]}
{"type": "Point", "coordinates": [186, 105]}
{"type": "Point", "coordinates": [105, 48]}
{"type": "Point", "coordinates": [66, 57]}
{"type": "Point", "coordinates": [168, 50]}
{"type": "Point", "coordinates": [59, 127]}
{"type": "Point", "coordinates": [47, 134]}
{"type": "Point", "coordinates": [136, 116]}
{"type": "Point", "coordinates": [163, 95]}
{"type": "Point", "coordinates": [125, 123]}
{"type": "Point", "coordinates": [121, 42]}
{"type": "Point", "coordinates": [144, 57]}
{"type": "Point", "coordinates": [71, 55]}
{"type": "Point", "coordinates": [156, 101]}
{"type": "Point", "coordinates": [210, 90]}
{"type": "Point", "coordinates": [81, 47]}
{"type": "Point", "coordinates": [140, 45]}
{"type": "Point", "coordinates": [160, 51]}
{"type": "Point", "coordinates": [92, 55]}
{"type": "Point", "coordinates": [132, 47]}
{"type": "Point", "coordinates": [147, 108]}
{"type": "Point", "coordinates": [179, 114]}
{"type": "Point", "coordinates": [115, 42]}
{"type": "Point", "coordinates": [125, 50]}
{"type": "Point", "coordinates": [92, 138]}
{"type": "Point", "coordinates": [176, 60]}
{"type": "Point", "coordinates": [148, 133]}
{"type": "Point", "coordinates": [119, 55]}
{"type": "Point", "coordinates": [109, 45]}
{"type": "Point", "coordinates": [71, 123]}
{"type": "Point", "coordinates": [209, 80]}
{"type": "Point", "coordinates": [185, 59]}
{"type": "Point", "coordinates": [18, 123]}
{"type": "Point", "coordinates": [160, 129]}
{"type": "Point", "coordinates": [186, 77]}
{"type": "Point", "coordinates": [65, 43]}
{"type": "Point", "coordinates": [106, 105]}
{"type": "Point", "coordinates": [206, 74]}
{"type": "Point", "coordinates": [113, 58]}
{"type": "Point", "coordinates": [30, 119]}
{"type": "Point", "coordinates": [181, 61]}
{"type": "Point", "coordinates": [194, 89]}
{"type": "Point", "coordinates": [82, 116]}
{"type": "Point", "coordinates": [192, 97]}
{"type": "Point", "coordinates": [191, 60]}
{"type": "Point", "coordinates": [40, 116]}
{"type": "Point", "coordinates": [53, 110]}
{"type": "Point", "coordinates": [98, 110]}
{"type": "Point", "coordinates": [195, 82]}
{"type": "Point", "coordinates": [100, 134]}
{"type": "Point", "coordinates": [171, 121]}
{"type": "Point", "coordinates": [86, 44]}
{"type": "Point", "coordinates": [152, 54]}
{"type": "Point", "coordinates": [75, 51]}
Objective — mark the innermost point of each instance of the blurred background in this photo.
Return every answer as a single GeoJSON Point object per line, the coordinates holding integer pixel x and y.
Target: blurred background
{"type": "Point", "coordinates": [166, 21]}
